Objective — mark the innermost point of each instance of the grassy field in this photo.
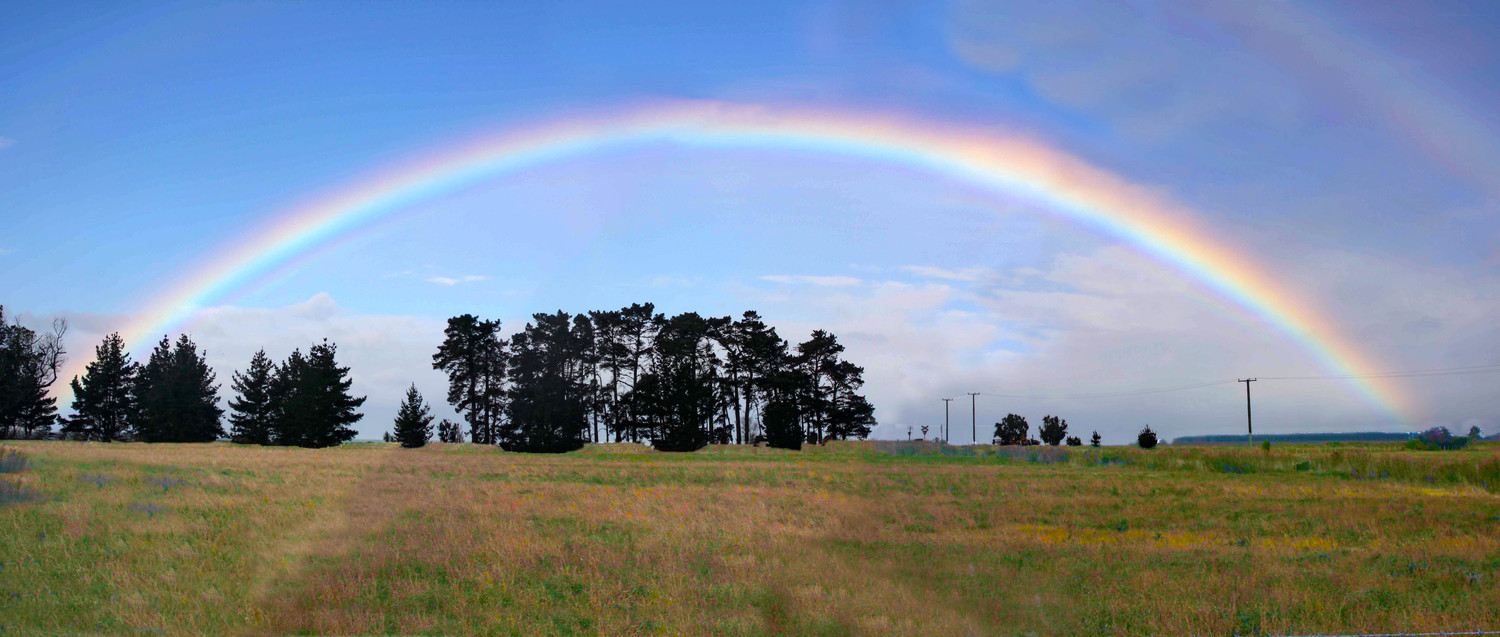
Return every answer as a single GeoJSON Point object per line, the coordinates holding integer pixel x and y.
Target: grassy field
{"type": "Point", "coordinates": [371, 538]}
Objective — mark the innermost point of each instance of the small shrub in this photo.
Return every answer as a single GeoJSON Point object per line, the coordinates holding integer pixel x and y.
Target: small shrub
{"type": "Point", "coordinates": [1146, 438]}
{"type": "Point", "coordinates": [1265, 445]}
{"type": "Point", "coordinates": [1074, 441]}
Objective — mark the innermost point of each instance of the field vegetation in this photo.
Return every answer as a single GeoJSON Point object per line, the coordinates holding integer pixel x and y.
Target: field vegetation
{"type": "Point", "coordinates": [847, 538]}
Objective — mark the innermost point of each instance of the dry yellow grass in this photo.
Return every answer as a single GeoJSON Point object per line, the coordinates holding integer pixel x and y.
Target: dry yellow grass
{"type": "Point", "coordinates": [218, 538]}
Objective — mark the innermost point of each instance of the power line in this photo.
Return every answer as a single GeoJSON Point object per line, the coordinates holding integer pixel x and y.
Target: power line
{"type": "Point", "coordinates": [1157, 390]}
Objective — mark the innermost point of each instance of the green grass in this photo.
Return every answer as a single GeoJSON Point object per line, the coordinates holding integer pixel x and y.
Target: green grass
{"type": "Point", "coordinates": [843, 539]}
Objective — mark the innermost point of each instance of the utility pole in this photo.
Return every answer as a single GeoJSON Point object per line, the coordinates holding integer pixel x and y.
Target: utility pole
{"type": "Point", "coordinates": [945, 418]}
{"type": "Point", "coordinates": [1249, 424]}
{"type": "Point", "coordinates": [973, 418]}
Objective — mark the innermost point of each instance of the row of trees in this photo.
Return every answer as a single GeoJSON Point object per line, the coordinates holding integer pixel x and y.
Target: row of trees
{"type": "Point", "coordinates": [174, 397]}
{"type": "Point", "coordinates": [1014, 430]}
{"type": "Point", "coordinates": [635, 375]}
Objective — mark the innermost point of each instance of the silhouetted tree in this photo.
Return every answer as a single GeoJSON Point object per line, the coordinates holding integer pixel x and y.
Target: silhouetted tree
{"type": "Point", "coordinates": [29, 363]}
{"type": "Point", "coordinates": [314, 407]}
{"type": "Point", "coordinates": [176, 395]}
{"type": "Point", "coordinates": [387, 437]}
{"type": "Point", "coordinates": [413, 420]}
{"type": "Point", "coordinates": [1012, 430]}
{"type": "Point", "coordinates": [1095, 439]}
{"type": "Point", "coordinates": [252, 414]}
{"type": "Point", "coordinates": [104, 403]}
{"type": "Point", "coordinates": [1146, 438]}
{"type": "Point", "coordinates": [547, 403]}
{"type": "Point", "coordinates": [474, 358]}
{"type": "Point", "coordinates": [448, 431]}
{"type": "Point", "coordinates": [1074, 441]}
{"type": "Point", "coordinates": [1053, 430]}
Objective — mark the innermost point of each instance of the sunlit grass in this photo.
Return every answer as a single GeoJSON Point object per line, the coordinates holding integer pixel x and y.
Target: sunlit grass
{"type": "Point", "coordinates": [838, 540]}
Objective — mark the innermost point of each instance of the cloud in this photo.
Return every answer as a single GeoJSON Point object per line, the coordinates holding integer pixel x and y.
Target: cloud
{"type": "Point", "coordinates": [443, 280]}
{"type": "Point", "coordinates": [6, 142]}
{"type": "Point", "coordinates": [820, 281]}
{"type": "Point", "coordinates": [1105, 59]}
{"type": "Point", "coordinates": [5, 251]}
{"type": "Point", "coordinates": [959, 274]}
{"type": "Point", "coordinates": [674, 281]}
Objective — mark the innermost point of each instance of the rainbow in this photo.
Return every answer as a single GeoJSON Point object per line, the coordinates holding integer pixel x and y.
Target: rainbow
{"type": "Point", "coordinates": [1004, 164]}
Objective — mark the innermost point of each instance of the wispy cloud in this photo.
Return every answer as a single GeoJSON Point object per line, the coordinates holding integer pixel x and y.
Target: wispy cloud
{"type": "Point", "coordinates": [5, 251]}
{"type": "Point", "coordinates": [6, 142]}
{"type": "Point", "coordinates": [443, 280]}
{"type": "Point", "coordinates": [802, 279]}
{"type": "Point", "coordinates": [960, 274]}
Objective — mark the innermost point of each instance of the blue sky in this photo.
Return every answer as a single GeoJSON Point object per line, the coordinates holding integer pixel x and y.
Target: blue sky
{"type": "Point", "coordinates": [1351, 147]}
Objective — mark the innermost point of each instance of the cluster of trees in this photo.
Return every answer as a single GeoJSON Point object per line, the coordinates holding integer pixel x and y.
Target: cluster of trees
{"type": "Point", "coordinates": [29, 363]}
{"type": "Point", "coordinates": [632, 374]}
{"type": "Point", "coordinates": [174, 397]}
{"type": "Point", "coordinates": [1014, 430]}
{"type": "Point", "coordinates": [303, 402]}
{"type": "Point", "coordinates": [171, 398]}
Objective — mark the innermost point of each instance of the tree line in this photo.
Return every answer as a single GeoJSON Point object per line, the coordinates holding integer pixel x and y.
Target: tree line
{"type": "Point", "coordinates": [635, 375]}
{"type": "Point", "coordinates": [563, 380]}
{"type": "Point", "coordinates": [1014, 430]}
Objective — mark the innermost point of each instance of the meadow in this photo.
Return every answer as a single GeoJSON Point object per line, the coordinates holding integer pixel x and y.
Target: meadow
{"type": "Point", "coordinates": [842, 539]}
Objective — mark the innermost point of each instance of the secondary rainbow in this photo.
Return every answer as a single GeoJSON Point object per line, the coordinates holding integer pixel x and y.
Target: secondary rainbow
{"type": "Point", "coordinates": [1013, 167]}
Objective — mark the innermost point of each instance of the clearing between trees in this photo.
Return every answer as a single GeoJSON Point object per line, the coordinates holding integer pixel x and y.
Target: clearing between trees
{"type": "Point", "coordinates": [848, 538]}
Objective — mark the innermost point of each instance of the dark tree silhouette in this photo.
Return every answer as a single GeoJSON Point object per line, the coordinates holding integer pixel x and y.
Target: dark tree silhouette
{"type": "Point", "coordinates": [1095, 439]}
{"type": "Point", "coordinates": [314, 407]}
{"type": "Point", "coordinates": [176, 395]}
{"type": "Point", "coordinates": [29, 363]}
{"type": "Point", "coordinates": [1053, 430]}
{"type": "Point", "coordinates": [1146, 438]}
{"type": "Point", "coordinates": [413, 420]}
{"type": "Point", "coordinates": [252, 415]}
{"type": "Point", "coordinates": [1012, 430]}
{"type": "Point", "coordinates": [448, 431]}
{"type": "Point", "coordinates": [547, 403]}
{"type": "Point", "coordinates": [474, 358]}
{"type": "Point", "coordinates": [104, 403]}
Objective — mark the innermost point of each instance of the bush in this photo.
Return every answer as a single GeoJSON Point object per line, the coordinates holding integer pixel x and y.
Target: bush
{"type": "Point", "coordinates": [1074, 441]}
{"type": "Point", "coordinates": [1437, 439]}
{"type": "Point", "coordinates": [1147, 438]}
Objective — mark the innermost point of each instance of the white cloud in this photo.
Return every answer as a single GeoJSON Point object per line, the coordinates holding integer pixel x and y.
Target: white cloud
{"type": "Point", "coordinates": [443, 280]}
{"type": "Point", "coordinates": [820, 281]}
{"type": "Point", "coordinates": [5, 251]}
{"type": "Point", "coordinates": [6, 142]}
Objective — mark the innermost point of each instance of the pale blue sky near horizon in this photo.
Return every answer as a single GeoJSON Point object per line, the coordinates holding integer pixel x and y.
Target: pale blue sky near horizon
{"type": "Point", "coordinates": [1347, 147]}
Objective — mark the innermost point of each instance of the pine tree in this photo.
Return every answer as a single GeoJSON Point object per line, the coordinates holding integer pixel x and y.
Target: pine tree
{"type": "Point", "coordinates": [413, 420]}
{"type": "Point", "coordinates": [177, 398]}
{"type": "Point", "coordinates": [474, 358]}
{"type": "Point", "coordinates": [1095, 440]}
{"type": "Point", "coordinates": [313, 405]}
{"type": "Point", "coordinates": [546, 402]}
{"type": "Point", "coordinates": [104, 403]}
{"type": "Point", "coordinates": [252, 414]}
